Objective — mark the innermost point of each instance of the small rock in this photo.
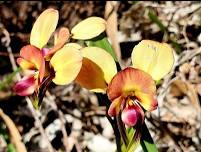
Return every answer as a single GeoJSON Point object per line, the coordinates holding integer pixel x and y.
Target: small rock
{"type": "Point", "coordinates": [101, 144]}
{"type": "Point", "coordinates": [77, 124]}
{"type": "Point", "coordinates": [107, 128]}
{"type": "Point", "coordinates": [77, 113]}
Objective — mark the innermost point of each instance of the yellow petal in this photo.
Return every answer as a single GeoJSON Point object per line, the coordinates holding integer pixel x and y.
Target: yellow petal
{"type": "Point", "coordinates": [61, 36]}
{"type": "Point", "coordinates": [43, 28]}
{"type": "Point", "coordinates": [103, 59]}
{"type": "Point", "coordinates": [75, 45]}
{"type": "Point", "coordinates": [153, 57]}
{"type": "Point", "coordinates": [67, 63]}
{"type": "Point", "coordinates": [89, 28]}
{"type": "Point", "coordinates": [91, 76]}
{"type": "Point", "coordinates": [98, 69]}
{"type": "Point", "coordinates": [115, 107]}
{"type": "Point", "coordinates": [24, 64]}
{"type": "Point", "coordinates": [147, 101]}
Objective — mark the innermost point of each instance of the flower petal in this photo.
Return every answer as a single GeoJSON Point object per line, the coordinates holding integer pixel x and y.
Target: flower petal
{"type": "Point", "coordinates": [24, 64]}
{"type": "Point", "coordinates": [35, 56]}
{"type": "Point", "coordinates": [131, 115]}
{"type": "Point", "coordinates": [153, 57]}
{"type": "Point", "coordinates": [43, 28]}
{"type": "Point", "coordinates": [147, 101]}
{"type": "Point", "coordinates": [128, 81]}
{"type": "Point", "coordinates": [60, 38]}
{"type": "Point", "coordinates": [91, 76]}
{"type": "Point", "coordinates": [96, 72]}
{"type": "Point", "coordinates": [67, 63]}
{"type": "Point", "coordinates": [103, 59]}
{"type": "Point", "coordinates": [26, 86]}
{"type": "Point", "coordinates": [42, 71]}
{"type": "Point", "coordinates": [89, 28]}
{"type": "Point", "coordinates": [32, 54]}
{"type": "Point", "coordinates": [115, 107]}
{"type": "Point", "coordinates": [75, 45]}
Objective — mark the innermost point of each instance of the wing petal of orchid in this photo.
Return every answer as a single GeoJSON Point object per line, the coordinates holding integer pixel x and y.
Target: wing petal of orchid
{"type": "Point", "coordinates": [98, 69]}
{"type": "Point", "coordinates": [115, 107]}
{"type": "Point", "coordinates": [147, 101]}
{"type": "Point", "coordinates": [32, 55]}
{"type": "Point", "coordinates": [89, 28]}
{"type": "Point", "coordinates": [43, 28]}
{"type": "Point", "coordinates": [67, 63]}
{"type": "Point", "coordinates": [153, 57]}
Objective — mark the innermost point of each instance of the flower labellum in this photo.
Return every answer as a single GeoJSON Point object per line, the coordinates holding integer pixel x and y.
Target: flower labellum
{"type": "Point", "coordinates": [26, 86]}
{"type": "Point", "coordinates": [129, 90]}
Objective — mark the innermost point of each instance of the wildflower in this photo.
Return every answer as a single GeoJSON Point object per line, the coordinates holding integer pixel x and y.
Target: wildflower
{"type": "Point", "coordinates": [131, 91]}
{"type": "Point", "coordinates": [33, 56]}
{"type": "Point", "coordinates": [60, 63]}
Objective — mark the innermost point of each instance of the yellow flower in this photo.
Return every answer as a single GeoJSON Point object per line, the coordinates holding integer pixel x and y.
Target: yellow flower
{"type": "Point", "coordinates": [61, 61]}
{"type": "Point", "coordinates": [132, 88]}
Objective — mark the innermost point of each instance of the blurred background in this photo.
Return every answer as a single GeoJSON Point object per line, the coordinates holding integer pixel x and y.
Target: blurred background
{"type": "Point", "coordinates": [73, 115]}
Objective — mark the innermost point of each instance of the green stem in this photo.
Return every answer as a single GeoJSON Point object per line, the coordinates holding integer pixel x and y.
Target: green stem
{"type": "Point", "coordinates": [146, 140]}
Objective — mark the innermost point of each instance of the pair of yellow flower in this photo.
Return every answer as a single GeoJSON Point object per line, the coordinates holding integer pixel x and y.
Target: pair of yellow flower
{"type": "Point", "coordinates": [92, 67]}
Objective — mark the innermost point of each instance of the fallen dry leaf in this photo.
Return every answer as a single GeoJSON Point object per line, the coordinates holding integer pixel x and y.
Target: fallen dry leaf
{"type": "Point", "coordinates": [180, 87]}
{"type": "Point", "coordinates": [14, 133]}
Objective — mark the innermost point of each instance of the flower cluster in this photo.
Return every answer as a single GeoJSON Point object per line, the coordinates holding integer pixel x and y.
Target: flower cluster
{"type": "Point", "coordinates": [131, 91]}
{"type": "Point", "coordinates": [62, 62]}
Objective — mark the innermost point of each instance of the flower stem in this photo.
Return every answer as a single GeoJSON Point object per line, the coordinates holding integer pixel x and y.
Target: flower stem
{"type": "Point", "coordinates": [146, 140]}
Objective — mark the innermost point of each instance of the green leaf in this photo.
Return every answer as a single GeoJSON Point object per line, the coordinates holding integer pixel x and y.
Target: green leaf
{"type": "Point", "coordinates": [133, 143]}
{"type": "Point", "coordinates": [176, 45]}
{"type": "Point", "coordinates": [146, 140]}
{"type": "Point", "coordinates": [11, 148]}
{"type": "Point", "coordinates": [35, 103]}
{"type": "Point", "coordinates": [102, 42]}
{"type": "Point", "coordinates": [153, 17]}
